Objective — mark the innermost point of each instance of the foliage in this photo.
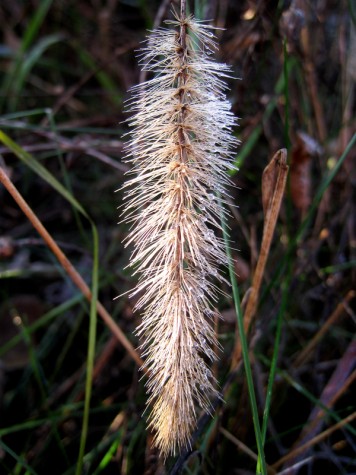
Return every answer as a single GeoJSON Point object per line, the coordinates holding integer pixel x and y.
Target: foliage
{"type": "Point", "coordinates": [65, 68]}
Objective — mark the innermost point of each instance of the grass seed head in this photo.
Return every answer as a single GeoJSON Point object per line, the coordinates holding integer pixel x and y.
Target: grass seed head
{"type": "Point", "coordinates": [181, 148]}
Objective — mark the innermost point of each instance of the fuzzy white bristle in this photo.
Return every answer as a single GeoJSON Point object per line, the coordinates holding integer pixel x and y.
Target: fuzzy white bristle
{"type": "Point", "coordinates": [181, 148]}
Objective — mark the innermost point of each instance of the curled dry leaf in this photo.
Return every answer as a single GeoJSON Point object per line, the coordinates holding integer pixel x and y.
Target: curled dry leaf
{"type": "Point", "coordinates": [269, 178]}
{"type": "Point", "coordinates": [274, 179]}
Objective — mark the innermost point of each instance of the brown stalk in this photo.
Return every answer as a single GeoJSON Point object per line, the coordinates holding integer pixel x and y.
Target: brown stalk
{"type": "Point", "coordinates": [315, 440]}
{"type": "Point", "coordinates": [67, 266]}
{"type": "Point", "coordinates": [244, 448]}
{"type": "Point", "coordinates": [339, 382]}
{"type": "Point", "coordinates": [273, 184]}
{"type": "Point", "coordinates": [316, 418]}
{"type": "Point", "coordinates": [181, 135]}
{"type": "Point", "coordinates": [336, 314]}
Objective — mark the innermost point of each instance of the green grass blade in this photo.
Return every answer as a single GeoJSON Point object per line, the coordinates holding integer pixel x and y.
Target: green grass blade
{"type": "Point", "coordinates": [35, 23]}
{"type": "Point", "coordinates": [28, 425]}
{"type": "Point", "coordinates": [109, 454]}
{"type": "Point", "coordinates": [49, 178]}
{"type": "Point", "coordinates": [90, 456]}
{"type": "Point", "coordinates": [273, 367]}
{"type": "Point", "coordinates": [307, 394]}
{"type": "Point", "coordinates": [91, 351]}
{"type": "Point", "coordinates": [247, 148]}
{"type": "Point", "coordinates": [68, 410]}
{"type": "Point", "coordinates": [20, 461]}
{"type": "Point", "coordinates": [46, 318]}
{"type": "Point", "coordinates": [338, 267]}
{"type": "Point", "coordinates": [107, 83]}
{"type": "Point", "coordinates": [298, 387]}
{"type": "Point", "coordinates": [352, 10]}
{"type": "Point", "coordinates": [245, 353]}
{"type": "Point", "coordinates": [28, 37]}
{"type": "Point", "coordinates": [79, 130]}
{"type": "Point", "coordinates": [41, 171]}
{"type": "Point", "coordinates": [42, 385]}
{"type": "Point", "coordinates": [26, 66]}
{"type": "Point", "coordinates": [66, 177]}
{"type": "Point", "coordinates": [286, 71]}
{"type": "Point", "coordinates": [28, 113]}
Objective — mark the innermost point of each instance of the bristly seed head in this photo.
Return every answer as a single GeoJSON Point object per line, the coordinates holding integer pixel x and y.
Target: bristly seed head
{"type": "Point", "coordinates": [181, 148]}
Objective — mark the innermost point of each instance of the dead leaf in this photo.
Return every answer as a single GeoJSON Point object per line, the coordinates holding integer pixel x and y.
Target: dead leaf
{"type": "Point", "coordinates": [305, 149]}
{"type": "Point", "coordinates": [269, 178]}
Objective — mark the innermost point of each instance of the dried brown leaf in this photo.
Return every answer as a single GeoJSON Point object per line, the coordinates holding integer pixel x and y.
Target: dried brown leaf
{"type": "Point", "coordinates": [305, 149]}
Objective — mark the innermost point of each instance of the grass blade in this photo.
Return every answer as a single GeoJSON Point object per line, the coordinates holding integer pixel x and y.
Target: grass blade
{"type": "Point", "coordinates": [245, 352]}
{"type": "Point", "coordinates": [91, 351]}
{"type": "Point", "coordinates": [20, 461]}
{"type": "Point", "coordinates": [27, 64]}
{"type": "Point", "coordinates": [41, 171]}
{"type": "Point", "coordinates": [29, 35]}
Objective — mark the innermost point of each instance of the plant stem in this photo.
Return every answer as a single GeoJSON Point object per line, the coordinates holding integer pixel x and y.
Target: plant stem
{"type": "Point", "coordinates": [245, 352]}
{"type": "Point", "coordinates": [67, 265]}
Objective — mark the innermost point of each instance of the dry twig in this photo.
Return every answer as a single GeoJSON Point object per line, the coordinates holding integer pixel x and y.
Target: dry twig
{"type": "Point", "coordinates": [67, 265]}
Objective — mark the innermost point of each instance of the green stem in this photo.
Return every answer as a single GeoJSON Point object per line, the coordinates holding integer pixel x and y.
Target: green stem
{"type": "Point", "coordinates": [245, 353]}
{"type": "Point", "coordinates": [273, 368]}
{"type": "Point", "coordinates": [91, 351]}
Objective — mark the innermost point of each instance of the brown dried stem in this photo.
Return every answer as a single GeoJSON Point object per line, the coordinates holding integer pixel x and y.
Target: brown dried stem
{"type": "Point", "coordinates": [315, 440]}
{"type": "Point", "coordinates": [339, 382]}
{"type": "Point", "coordinates": [244, 448]}
{"type": "Point", "coordinates": [303, 356]}
{"type": "Point", "coordinates": [67, 266]}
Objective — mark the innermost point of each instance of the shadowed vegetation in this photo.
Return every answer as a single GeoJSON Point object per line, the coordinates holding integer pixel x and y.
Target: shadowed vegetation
{"type": "Point", "coordinates": [71, 394]}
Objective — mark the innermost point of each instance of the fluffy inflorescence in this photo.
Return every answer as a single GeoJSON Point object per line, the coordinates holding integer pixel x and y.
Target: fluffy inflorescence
{"type": "Point", "coordinates": [181, 148]}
